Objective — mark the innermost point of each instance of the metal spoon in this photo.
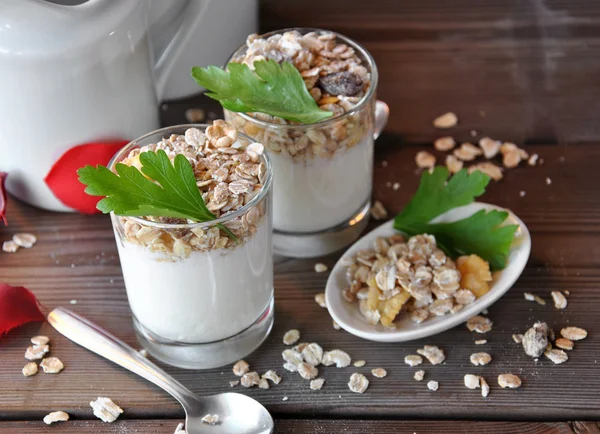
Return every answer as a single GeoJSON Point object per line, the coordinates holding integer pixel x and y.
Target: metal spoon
{"type": "Point", "coordinates": [238, 414]}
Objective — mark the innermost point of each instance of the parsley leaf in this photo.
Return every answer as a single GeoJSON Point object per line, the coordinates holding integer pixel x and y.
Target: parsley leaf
{"type": "Point", "coordinates": [271, 88]}
{"type": "Point", "coordinates": [129, 193]}
{"type": "Point", "coordinates": [483, 233]}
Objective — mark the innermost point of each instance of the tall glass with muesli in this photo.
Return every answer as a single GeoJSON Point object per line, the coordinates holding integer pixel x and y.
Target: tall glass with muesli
{"type": "Point", "coordinates": [323, 170]}
{"type": "Point", "coordinates": [202, 293]}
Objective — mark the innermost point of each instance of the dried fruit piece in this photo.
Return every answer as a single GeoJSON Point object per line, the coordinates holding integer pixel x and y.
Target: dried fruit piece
{"type": "Point", "coordinates": [535, 340]}
{"type": "Point", "coordinates": [433, 385]}
{"type": "Point", "coordinates": [432, 353]}
{"type": "Point", "coordinates": [241, 367]}
{"type": "Point", "coordinates": [573, 333]}
{"type": "Point", "coordinates": [52, 365]}
{"type": "Point", "coordinates": [564, 344]}
{"type": "Point", "coordinates": [471, 381]}
{"type": "Point", "coordinates": [313, 354]}
{"type": "Point", "coordinates": [389, 309]}
{"type": "Point", "coordinates": [307, 371]}
{"type": "Point", "coordinates": [320, 267]}
{"type": "Point", "coordinates": [379, 372]}
{"type": "Point", "coordinates": [424, 160]}
{"type": "Point", "coordinates": [358, 383]}
{"type": "Point", "coordinates": [509, 380]}
{"type": "Point", "coordinates": [30, 369]}
{"type": "Point", "coordinates": [40, 340]}
{"type": "Point", "coordinates": [272, 375]}
{"type": "Point", "coordinates": [419, 375]}
{"type": "Point", "coordinates": [447, 120]}
{"type": "Point", "coordinates": [489, 147]}
{"type": "Point", "coordinates": [475, 274]}
{"type": "Point", "coordinates": [453, 164]}
{"type": "Point", "coordinates": [340, 358]}
{"type": "Point", "coordinates": [320, 299]}
{"type": "Point", "coordinates": [37, 352]}
{"type": "Point", "coordinates": [317, 384]}
{"type": "Point", "coordinates": [485, 387]}
{"type": "Point", "coordinates": [413, 360]}
{"type": "Point", "coordinates": [560, 301]}
{"type": "Point", "coordinates": [341, 83]}
{"type": "Point", "coordinates": [444, 144]}
{"type": "Point", "coordinates": [291, 337]}
{"type": "Point", "coordinates": [250, 379]}
{"type": "Point", "coordinates": [557, 356]}
{"type": "Point", "coordinates": [480, 359]}
{"type": "Point", "coordinates": [56, 416]}
{"type": "Point", "coordinates": [211, 419]}
{"type": "Point", "coordinates": [25, 240]}
{"type": "Point", "coordinates": [106, 410]}
{"type": "Point", "coordinates": [479, 324]}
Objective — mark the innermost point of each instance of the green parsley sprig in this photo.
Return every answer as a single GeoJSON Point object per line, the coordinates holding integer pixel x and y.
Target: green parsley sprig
{"type": "Point", "coordinates": [129, 193]}
{"type": "Point", "coordinates": [483, 233]}
{"type": "Point", "coordinates": [274, 89]}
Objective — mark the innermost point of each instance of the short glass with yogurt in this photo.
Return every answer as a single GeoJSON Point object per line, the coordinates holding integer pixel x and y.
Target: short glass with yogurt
{"type": "Point", "coordinates": [199, 299]}
{"type": "Point", "coordinates": [324, 170]}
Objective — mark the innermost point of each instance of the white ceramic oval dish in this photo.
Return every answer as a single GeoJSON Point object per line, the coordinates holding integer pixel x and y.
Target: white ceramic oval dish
{"type": "Point", "coordinates": [347, 314]}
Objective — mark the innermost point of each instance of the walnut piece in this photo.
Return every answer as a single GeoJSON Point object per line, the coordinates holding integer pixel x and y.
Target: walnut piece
{"type": "Point", "coordinates": [263, 383]}
{"type": "Point", "coordinates": [489, 147]}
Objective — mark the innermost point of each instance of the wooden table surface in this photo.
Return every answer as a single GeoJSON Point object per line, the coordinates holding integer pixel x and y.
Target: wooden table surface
{"type": "Point", "coordinates": [76, 259]}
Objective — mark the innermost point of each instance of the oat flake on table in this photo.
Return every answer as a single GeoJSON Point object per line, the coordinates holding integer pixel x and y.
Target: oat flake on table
{"type": "Point", "coordinates": [433, 385]}
{"type": "Point", "coordinates": [358, 383]}
{"type": "Point", "coordinates": [317, 384]}
{"type": "Point", "coordinates": [419, 375]}
{"type": "Point", "coordinates": [105, 409]}
{"type": "Point", "coordinates": [573, 333]}
{"type": "Point", "coordinates": [291, 337]}
{"type": "Point", "coordinates": [240, 368]}
{"type": "Point", "coordinates": [56, 416]}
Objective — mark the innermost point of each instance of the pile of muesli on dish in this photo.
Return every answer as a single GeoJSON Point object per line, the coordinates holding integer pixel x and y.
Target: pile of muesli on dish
{"type": "Point", "coordinates": [412, 275]}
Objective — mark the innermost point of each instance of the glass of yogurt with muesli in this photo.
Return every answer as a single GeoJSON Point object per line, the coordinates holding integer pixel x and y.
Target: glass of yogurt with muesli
{"type": "Point", "coordinates": [200, 297]}
{"type": "Point", "coordinates": [324, 170]}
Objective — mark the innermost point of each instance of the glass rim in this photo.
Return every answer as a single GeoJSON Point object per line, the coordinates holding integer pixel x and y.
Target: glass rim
{"type": "Point", "coordinates": [359, 106]}
{"type": "Point", "coordinates": [266, 187]}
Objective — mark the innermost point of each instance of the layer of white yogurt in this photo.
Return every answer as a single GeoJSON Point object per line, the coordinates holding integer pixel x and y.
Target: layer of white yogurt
{"type": "Point", "coordinates": [321, 193]}
{"type": "Point", "coordinates": [206, 297]}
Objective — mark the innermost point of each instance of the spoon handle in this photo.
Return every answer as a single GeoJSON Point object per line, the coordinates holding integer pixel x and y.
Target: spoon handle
{"type": "Point", "coordinates": [90, 336]}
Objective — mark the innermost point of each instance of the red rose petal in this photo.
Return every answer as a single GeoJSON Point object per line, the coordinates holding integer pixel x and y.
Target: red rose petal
{"type": "Point", "coordinates": [63, 179]}
{"type": "Point", "coordinates": [3, 197]}
{"type": "Point", "coordinates": [18, 306]}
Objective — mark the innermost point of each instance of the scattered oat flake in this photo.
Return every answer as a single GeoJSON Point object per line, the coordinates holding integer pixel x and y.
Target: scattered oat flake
{"type": "Point", "coordinates": [285, 398]}
{"type": "Point", "coordinates": [336, 326]}
{"type": "Point", "coordinates": [480, 342]}
{"type": "Point", "coordinates": [509, 380]}
{"type": "Point", "coordinates": [490, 169]}
{"type": "Point", "coordinates": [359, 363]}
{"type": "Point", "coordinates": [432, 353]}
{"type": "Point", "coordinates": [433, 385]}
{"type": "Point", "coordinates": [211, 419]}
{"type": "Point", "coordinates": [424, 160]}
{"type": "Point", "coordinates": [263, 383]}
{"type": "Point", "coordinates": [317, 384]}
{"type": "Point", "coordinates": [479, 324]}
{"type": "Point", "coordinates": [485, 387]}
{"type": "Point", "coordinates": [312, 354]}
{"type": "Point", "coordinates": [419, 375]}
{"type": "Point", "coordinates": [560, 301]}
{"type": "Point", "coordinates": [73, 301]}
{"type": "Point", "coordinates": [37, 352]}
{"type": "Point", "coordinates": [533, 160]}
{"type": "Point", "coordinates": [444, 144]}
{"type": "Point", "coordinates": [241, 367]}
{"type": "Point", "coordinates": [453, 164]}
{"type": "Point", "coordinates": [52, 365]}
{"type": "Point", "coordinates": [358, 383]}
{"type": "Point", "coordinates": [291, 337]}
{"type": "Point", "coordinates": [320, 299]}
{"type": "Point", "coordinates": [447, 120]}
{"type": "Point", "coordinates": [564, 344]}
{"type": "Point", "coordinates": [533, 297]}
{"type": "Point", "coordinates": [395, 186]}
{"type": "Point", "coordinates": [30, 369]}
{"type": "Point", "coordinates": [25, 240]}
{"type": "Point", "coordinates": [105, 409]}
{"type": "Point", "coordinates": [307, 371]}
{"type": "Point", "coordinates": [573, 333]}
{"type": "Point", "coordinates": [378, 211]}
{"type": "Point", "coordinates": [522, 193]}
{"type": "Point", "coordinates": [548, 181]}
{"type": "Point", "coordinates": [272, 375]}
{"type": "Point", "coordinates": [56, 416]}
{"type": "Point", "coordinates": [320, 267]}
{"type": "Point", "coordinates": [250, 379]}
{"type": "Point", "coordinates": [340, 358]}
{"type": "Point", "coordinates": [490, 147]}
{"type": "Point", "coordinates": [518, 338]}
{"type": "Point", "coordinates": [557, 356]}
{"type": "Point", "coordinates": [413, 360]}
{"type": "Point", "coordinates": [471, 381]}
{"type": "Point", "coordinates": [480, 359]}
{"type": "Point", "coordinates": [10, 246]}
{"type": "Point", "coordinates": [234, 383]}
{"type": "Point", "coordinates": [40, 340]}
{"type": "Point", "coordinates": [379, 372]}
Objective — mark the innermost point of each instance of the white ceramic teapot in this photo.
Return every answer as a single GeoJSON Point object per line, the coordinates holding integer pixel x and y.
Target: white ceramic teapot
{"type": "Point", "coordinates": [87, 73]}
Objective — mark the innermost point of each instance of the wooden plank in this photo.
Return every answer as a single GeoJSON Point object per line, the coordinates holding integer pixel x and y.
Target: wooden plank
{"type": "Point", "coordinates": [514, 70]}
{"type": "Point", "coordinates": [76, 258]}
{"type": "Point", "coordinates": [294, 426]}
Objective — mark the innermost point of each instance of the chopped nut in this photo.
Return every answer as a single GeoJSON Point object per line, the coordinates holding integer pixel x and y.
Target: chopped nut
{"type": "Point", "coordinates": [320, 299]}
{"type": "Point", "coordinates": [317, 384]}
{"type": "Point", "coordinates": [321, 268]}
{"type": "Point", "coordinates": [424, 160]}
{"type": "Point", "coordinates": [56, 416]}
{"type": "Point", "coordinates": [564, 344]}
{"type": "Point", "coordinates": [340, 358]}
{"type": "Point", "coordinates": [479, 324]}
{"type": "Point", "coordinates": [291, 337]}
{"type": "Point", "coordinates": [485, 387]}
{"type": "Point", "coordinates": [489, 147]}
{"type": "Point", "coordinates": [509, 380]}
{"type": "Point", "coordinates": [336, 326]}
{"type": "Point", "coordinates": [535, 340]}
{"type": "Point", "coordinates": [30, 369]}
{"type": "Point", "coordinates": [10, 246]}
{"type": "Point", "coordinates": [480, 359]}
{"type": "Point", "coordinates": [313, 354]}
{"type": "Point", "coordinates": [379, 372]}
{"type": "Point", "coordinates": [106, 410]}
{"type": "Point", "coordinates": [240, 368]}
{"type": "Point", "coordinates": [518, 338]}
{"type": "Point", "coordinates": [37, 352]}
{"type": "Point", "coordinates": [358, 383]}
{"type": "Point", "coordinates": [419, 375]}
{"type": "Point", "coordinates": [532, 297]}
{"type": "Point", "coordinates": [272, 375]}
{"type": "Point", "coordinates": [433, 385]}
{"type": "Point", "coordinates": [432, 353]}
{"type": "Point", "coordinates": [378, 211]}
{"type": "Point", "coordinates": [250, 379]}
{"type": "Point", "coordinates": [453, 164]}
{"type": "Point", "coordinates": [263, 383]}
{"type": "Point", "coordinates": [472, 381]}
{"type": "Point", "coordinates": [413, 360]}
{"type": "Point", "coordinates": [234, 383]}
{"type": "Point", "coordinates": [573, 333]}
{"type": "Point", "coordinates": [480, 342]}
{"type": "Point", "coordinates": [490, 169]}
{"type": "Point", "coordinates": [557, 356]}
{"type": "Point", "coordinates": [444, 143]}
{"type": "Point", "coordinates": [560, 301]}
{"type": "Point", "coordinates": [359, 363]}
{"type": "Point", "coordinates": [211, 419]}
{"type": "Point", "coordinates": [307, 371]}
{"type": "Point", "coordinates": [40, 340]}
{"type": "Point", "coordinates": [52, 365]}
{"type": "Point", "coordinates": [25, 240]}
{"type": "Point", "coordinates": [447, 120]}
